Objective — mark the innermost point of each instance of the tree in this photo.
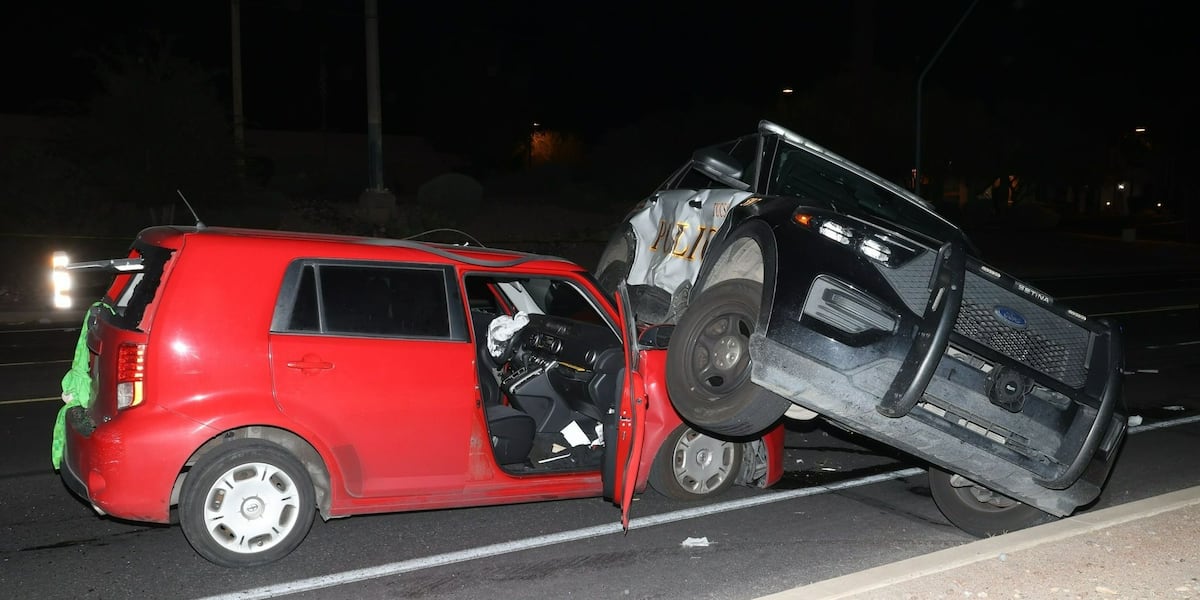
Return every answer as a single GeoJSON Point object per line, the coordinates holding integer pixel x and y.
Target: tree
{"type": "Point", "coordinates": [158, 127]}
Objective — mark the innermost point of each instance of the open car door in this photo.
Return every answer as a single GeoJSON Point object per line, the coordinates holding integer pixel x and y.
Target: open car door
{"type": "Point", "coordinates": [623, 428]}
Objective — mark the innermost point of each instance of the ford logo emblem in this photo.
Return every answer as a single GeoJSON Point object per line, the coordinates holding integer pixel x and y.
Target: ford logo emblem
{"type": "Point", "coordinates": [1010, 317]}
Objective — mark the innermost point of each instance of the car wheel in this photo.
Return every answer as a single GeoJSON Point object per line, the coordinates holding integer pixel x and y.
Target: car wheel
{"type": "Point", "coordinates": [708, 363]}
{"type": "Point", "coordinates": [247, 503]}
{"type": "Point", "coordinates": [692, 466]}
{"type": "Point", "coordinates": [978, 510]}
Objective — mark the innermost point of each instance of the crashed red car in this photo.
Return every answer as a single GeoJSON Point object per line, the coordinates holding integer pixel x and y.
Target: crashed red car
{"type": "Point", "coordinates": [256, 378]}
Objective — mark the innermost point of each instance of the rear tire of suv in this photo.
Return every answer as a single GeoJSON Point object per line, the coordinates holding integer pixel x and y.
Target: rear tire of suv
{"type": "Point", "coordinates": [247, 503]}
{"type": "Point", "coordinates": [693, 466]}
{"type": "Point", "coordinates": [708, 363]}
{"type": "Point", "coordinates": [978, 510]}
{"type": "Point", "coordinates": [614, 264]}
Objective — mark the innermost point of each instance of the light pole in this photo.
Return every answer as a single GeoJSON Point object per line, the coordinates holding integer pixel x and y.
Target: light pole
{"type": "Point", "coordinates": [239, 122]}
{"type": "Point", "coordinates": [920, 82]}
{"type": "Point", "coordinates": [378, 203]}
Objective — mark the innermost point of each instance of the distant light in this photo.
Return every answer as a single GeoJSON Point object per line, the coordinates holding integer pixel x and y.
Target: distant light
{"type": "Point", "coordinates": [1121, 186]}
{"type": "Point", "coordinates": [60, 279]}
{"type": "Point", "coordinates": [787, 90]}
{"type": "Point", "coordinates": [1108, 203]}
{"type": "Point", "coordinates": [536, 124]}
{"type": "Point", "coordinates": [1158, 204]}
{"type": "Point", "coordinates": [1139, 130]}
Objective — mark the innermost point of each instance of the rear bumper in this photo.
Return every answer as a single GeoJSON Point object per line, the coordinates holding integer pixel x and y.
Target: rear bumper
{"type": "Point", "coordinates": [127, 467]}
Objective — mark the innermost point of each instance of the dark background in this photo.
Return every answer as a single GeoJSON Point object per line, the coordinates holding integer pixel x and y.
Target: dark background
{"type": "Point", "coordinates": [109, 108]}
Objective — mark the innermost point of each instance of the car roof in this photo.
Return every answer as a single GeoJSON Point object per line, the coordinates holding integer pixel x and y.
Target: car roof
{"type": "Point", "coordinates": [364, 247]}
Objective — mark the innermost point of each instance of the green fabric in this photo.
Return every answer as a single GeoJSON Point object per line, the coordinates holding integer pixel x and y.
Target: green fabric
{"type": "Point", "coordinates": [76, 389]}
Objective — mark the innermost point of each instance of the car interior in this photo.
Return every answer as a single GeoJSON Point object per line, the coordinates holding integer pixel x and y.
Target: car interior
{"type": "Point", "coordinates": [555, 381]}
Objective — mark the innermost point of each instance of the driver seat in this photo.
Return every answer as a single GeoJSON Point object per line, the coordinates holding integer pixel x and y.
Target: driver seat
{"type": "Point", "coordinates": [510, 430]}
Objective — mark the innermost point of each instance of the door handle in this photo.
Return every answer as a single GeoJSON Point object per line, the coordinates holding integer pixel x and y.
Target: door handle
{"type": "Point", "coordinates": [310, 363]}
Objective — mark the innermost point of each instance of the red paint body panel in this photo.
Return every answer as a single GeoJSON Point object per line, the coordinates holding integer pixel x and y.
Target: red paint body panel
{"type": "Point", "coordinates": [397, 424]}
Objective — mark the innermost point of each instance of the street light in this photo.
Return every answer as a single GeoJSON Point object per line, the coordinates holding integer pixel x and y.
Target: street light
{"type": "Point", "coordinates": [532, 139]}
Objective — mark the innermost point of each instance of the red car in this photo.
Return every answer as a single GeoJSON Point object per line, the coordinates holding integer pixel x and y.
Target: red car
{"type": "Point", "coordinates": [255, 378]}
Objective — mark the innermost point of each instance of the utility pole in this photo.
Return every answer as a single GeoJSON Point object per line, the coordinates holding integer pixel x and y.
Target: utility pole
{"type": "Point", "coordinates": [377, 202]}
{"type": "Point", "coordinates": [920, 82]}
{"type": "Point", "coordinates": [239, 121]}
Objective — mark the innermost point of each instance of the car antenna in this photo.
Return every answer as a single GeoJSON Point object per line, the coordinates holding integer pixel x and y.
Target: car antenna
{"type": "Point", "coordinates": [199, 223]}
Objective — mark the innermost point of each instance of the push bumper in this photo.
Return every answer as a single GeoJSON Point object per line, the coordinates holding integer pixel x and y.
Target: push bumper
{"type": "Point", "coordinates": [905, 387]}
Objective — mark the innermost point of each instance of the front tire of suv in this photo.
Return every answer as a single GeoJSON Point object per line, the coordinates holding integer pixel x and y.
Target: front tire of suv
{"type": "Point", "coordinates": [708, 363]}
{"type": "Point", "coordinates": [978, 510]}
{"type": "Point", "coordinates": [248, 503]}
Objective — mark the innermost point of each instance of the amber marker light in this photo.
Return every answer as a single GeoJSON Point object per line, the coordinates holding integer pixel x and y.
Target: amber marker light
{"type": "Point", "coordinates": [803, 219]}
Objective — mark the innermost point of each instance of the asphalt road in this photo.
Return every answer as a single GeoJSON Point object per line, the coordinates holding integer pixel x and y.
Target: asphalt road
{"type": "Point", "coordinates": [845, 504]}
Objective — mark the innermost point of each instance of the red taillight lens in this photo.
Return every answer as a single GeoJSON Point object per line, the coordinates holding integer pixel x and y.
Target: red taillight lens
{"type": "Point", "coordinates": [131, 370]}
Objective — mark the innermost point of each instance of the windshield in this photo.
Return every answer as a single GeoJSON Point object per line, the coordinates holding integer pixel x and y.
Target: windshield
{"type": "Point", "coordinates": [798, 173]}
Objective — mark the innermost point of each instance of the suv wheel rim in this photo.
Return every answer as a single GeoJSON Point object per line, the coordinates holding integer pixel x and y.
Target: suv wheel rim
{"type": "Point", "coordinates": [721, 358]}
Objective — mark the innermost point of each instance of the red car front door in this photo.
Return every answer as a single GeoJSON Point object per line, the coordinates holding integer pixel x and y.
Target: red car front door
{"type": "Point", "coordinates": [623, 456]}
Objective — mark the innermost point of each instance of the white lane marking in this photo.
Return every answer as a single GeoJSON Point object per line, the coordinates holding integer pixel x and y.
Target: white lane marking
{"type": "Point", "coordinates": [1131, 293]}
{"type": "Point", "coordinates": [1159, 346]}
{"type": "Point", "coordinates": [31, 400]}
{"type": "Point", "coordinates": [41, 330]}
{"type": "Point", "coordinates": [34, 363]}
{"type": "Point", "coordinates": [437, 560]}
{"type": "Point", "coordinates": [1148, 310]}
{"type": "Point", "coordinates": [1164, 424]}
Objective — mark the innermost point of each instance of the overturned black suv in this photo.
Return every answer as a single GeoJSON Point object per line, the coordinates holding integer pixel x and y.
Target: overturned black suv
{"type": "Point", "coordinates": [800, 282]}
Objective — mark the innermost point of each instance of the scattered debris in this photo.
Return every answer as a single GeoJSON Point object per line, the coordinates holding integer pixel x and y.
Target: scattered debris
{"type": "Point", "coordinates": [691, 542]}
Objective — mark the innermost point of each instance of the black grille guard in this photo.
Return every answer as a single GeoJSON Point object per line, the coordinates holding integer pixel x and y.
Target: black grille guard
{"type": "Point", "coordinates": [933, 334]}
{"type": "Point", "coordinates": [946, 289]}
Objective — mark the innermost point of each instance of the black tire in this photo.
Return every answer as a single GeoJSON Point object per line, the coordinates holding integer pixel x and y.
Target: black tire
{"type": "Point", "coordinates": [708, 363]}
{"type": "Point", "coordinates": [979, 511]}
{"type": "Point", "coordinates": [612, 275]}
{"type": "Point", "coordinates": [692, 466]}
{"type": "Point", "coordinates": [614, 264]}
{"type": "Point", "coordinates": [272, 510]}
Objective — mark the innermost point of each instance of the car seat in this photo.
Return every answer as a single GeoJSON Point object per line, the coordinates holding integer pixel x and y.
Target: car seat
{"type": "Point", "coordinates": [510, 430]}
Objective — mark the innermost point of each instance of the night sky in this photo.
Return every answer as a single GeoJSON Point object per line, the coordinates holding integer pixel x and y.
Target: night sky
{"type": "Point", "coordinates": [591, 67]}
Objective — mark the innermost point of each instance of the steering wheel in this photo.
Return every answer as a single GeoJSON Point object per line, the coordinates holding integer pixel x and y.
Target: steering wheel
{"type": "Point", "coordinates": [507, 347]}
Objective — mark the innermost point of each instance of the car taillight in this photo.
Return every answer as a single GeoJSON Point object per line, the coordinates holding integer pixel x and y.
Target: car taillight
{"type": "Point", "coordinates": [131, 370]}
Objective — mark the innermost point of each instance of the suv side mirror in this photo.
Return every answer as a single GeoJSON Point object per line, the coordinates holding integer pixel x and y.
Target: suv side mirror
{"type": "Point", "coordinates": [720, 166]}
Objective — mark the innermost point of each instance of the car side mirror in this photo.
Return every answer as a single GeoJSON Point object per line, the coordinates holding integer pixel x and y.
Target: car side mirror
{"type": "Point", "coordinates": [720, 166]}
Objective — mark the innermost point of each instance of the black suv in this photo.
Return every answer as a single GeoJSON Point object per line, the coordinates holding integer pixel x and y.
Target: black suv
{"type": "Point", "coordinates": [803, 283]}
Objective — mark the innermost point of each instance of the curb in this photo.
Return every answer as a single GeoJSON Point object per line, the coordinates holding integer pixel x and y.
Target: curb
{"type": "Point", "coordinates": [885, 576]}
